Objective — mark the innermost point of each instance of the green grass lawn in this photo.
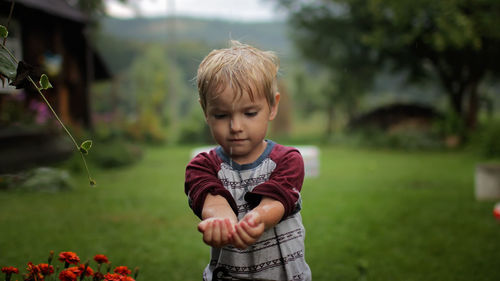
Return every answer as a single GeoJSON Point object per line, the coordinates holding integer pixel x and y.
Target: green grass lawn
{"type": "Point", "coordinates": [372, 215]}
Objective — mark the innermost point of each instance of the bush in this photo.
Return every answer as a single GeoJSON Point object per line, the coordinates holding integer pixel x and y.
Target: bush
{"type": "Point", "coordinates": [489, 140]}
{"type": "Point", "coordinates": [407, 139]}
{"type": "Point", "coordinates": [450, 125]}
{"type": "Point", "coordinates": [147, 128]}
{"type": "Point", "coordinates": [115, 153]}
{"type": "Point", "coordinates": [194, 131]}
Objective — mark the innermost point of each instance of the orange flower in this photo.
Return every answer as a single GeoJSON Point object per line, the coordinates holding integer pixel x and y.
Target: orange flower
{"type": "Point", "coordinates": [113, 277]}
{"type": "Point", "coordinates": [101, 259]}
{"type": "Point", "coordinates": [69, 258]}
{"type": "Point", "coordinates": [88, 270]}
{"type": "Point", "coordinates": [34, 271]}
{"type": "Point", "coordinates": [67, 275]}
{"type": "Point", "coordinates": [76, 270]}
{"type": "Point", "coordinates": [10, 270]}
{"type": "Point", "coordinates": [117, 277]}
{"type": "Point", "coordinates": [98, 276]}
{"type": "Point", "coordinates": [46, 269]}
{"type": "Point", "coordinates": [123, 270]}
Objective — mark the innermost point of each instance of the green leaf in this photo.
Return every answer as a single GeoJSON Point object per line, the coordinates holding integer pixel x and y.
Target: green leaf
{"type": "Point", "coordinates": [7, 66]}
{"type": "Point", "coordinates": [92, 182]}
{"type": "Point", "coordinates": [85, 146]}
{"type": "Point", "coordinates": [44, 82]}
{"type": "Point", "coordinates": [3, 31]}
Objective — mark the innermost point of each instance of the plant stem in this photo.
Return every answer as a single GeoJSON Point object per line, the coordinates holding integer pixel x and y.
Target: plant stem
{"type": "Point", "coordinates": [63, 126]}
{"type": "Point", "coordinates": [54, 112]}
{"type": "Point", "coordinates": [56, 116]}
{"type": "Point", "coordinates": [8, 20]}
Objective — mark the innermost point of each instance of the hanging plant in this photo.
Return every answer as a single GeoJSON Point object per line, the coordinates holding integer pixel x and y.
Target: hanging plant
{"type": "Point", "coordinates": [20, 73]}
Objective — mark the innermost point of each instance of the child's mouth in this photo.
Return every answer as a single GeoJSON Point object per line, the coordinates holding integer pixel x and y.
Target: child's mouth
{"type": "Point", "coordinates": [237, 140]}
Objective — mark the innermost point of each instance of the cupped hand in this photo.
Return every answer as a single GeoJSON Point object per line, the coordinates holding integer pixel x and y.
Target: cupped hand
{"type": "Point", "coordinates": [247, 231]}
{"type": "Point", "coordinates": [217, 232]}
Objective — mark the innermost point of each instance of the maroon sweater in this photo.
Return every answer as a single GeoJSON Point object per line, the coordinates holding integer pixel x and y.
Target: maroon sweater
{"type": "Point", "coordinates": [278, 173]}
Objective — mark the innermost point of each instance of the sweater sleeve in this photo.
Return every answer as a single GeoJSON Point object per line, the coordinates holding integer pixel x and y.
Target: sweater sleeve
{"type": "Point", "coordinates": [201, 179]}
{"type": "Point", "coordinates": [284, 183]}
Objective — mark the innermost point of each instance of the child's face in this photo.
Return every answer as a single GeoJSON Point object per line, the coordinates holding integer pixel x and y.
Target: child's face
{"type": "Point", "coordinates": [240, 125]}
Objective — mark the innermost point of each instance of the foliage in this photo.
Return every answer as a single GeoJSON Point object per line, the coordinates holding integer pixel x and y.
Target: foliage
{"type": "Point", "coordinates": [80, 271]}
{"type": "Point", "coordinates": [7, 64]}
{"type": "Point", "coordinates": [488, 140]}
{"type": "Point", "coordinates": [409, 140]}
{"type": "Point", "coordinates": [114, 149]}
{"type": "Point", "coordinates": [450, 125]}
{"type": "Point", "coordinates": [147, 128]}
{"type": "Point", "coordinates": [116, 153]}
{"type": "Point", "coordinates": [365, 202]}
{"type": "Point", "coordinates": [23, 78]}
{"type": "Point", "coordinates": [452, 41]}
{"type": "Point", "coordinates": [149, 86]}
{"type": "Point", "coordinates": [14, 112]}
{"type": "Point", "coordinates": [194, 129]}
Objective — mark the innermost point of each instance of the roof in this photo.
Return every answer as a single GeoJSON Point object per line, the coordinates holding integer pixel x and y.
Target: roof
{"type": "Point", "coordinates": [386, 116]}
{"type": "Point", "coordinates": [58, 8]}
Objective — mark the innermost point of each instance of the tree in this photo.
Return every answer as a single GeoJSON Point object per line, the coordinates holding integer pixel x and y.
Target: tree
{"type": "Point", "coordinates": [456, 42]}
{"type": "Point", "coordinates": [335, 45]}
{"type": "Point", "coordinates": [97, 7]}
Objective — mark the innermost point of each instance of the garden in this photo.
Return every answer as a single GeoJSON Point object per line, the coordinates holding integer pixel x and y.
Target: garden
{"type": "Point", "coordinates": [371, 214]}
{"type": "Point", "coordinates": [92, 166]}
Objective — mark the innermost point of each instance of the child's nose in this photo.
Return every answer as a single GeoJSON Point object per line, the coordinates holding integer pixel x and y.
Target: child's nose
{"type": "Point", "coordinates": [235, 124]}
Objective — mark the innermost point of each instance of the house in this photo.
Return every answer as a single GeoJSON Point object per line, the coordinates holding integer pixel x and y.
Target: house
{"type": "Point", "coordinates": [52, 36]}
{"type": "Point", "coordinates": [397, 117]}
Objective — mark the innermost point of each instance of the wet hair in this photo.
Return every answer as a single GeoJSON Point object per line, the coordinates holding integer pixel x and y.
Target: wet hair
{"type": "Point", "coordinates": [243, 68]}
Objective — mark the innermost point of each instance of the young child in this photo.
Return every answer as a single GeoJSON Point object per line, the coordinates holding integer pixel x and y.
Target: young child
{"type": "Point", "coordinates": [246, 191]}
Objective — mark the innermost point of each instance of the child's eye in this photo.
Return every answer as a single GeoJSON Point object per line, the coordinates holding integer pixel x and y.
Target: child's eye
{"type": "Point", "coordinates": [220, 116]}
{"type": "Point", "coordinates": [251, 114]}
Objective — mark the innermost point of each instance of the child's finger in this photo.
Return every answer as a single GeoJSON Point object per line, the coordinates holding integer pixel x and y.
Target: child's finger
{"type": "Point", "coordinates": [224, 234]}
{"type": "Point", "coordinates": [253, 231]}
{"type": "Point", "coordinates": [216, 233]}
{"type": "Point", "coordinates": [253, 219]}
{"type": "Point", "coordinates": [242, 228]}
{"type": "Point", "coordinates": [229, 226]}
{"type": "Point", "coordinates": [236, 239]}
{"type": "Point", "coordinates": [207, 234]}
{"type": "Point", "coordinates": [202, 226]}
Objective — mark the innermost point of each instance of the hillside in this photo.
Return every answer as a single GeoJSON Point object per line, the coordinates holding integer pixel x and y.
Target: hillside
{"type": "Point", "coordinates": [215, 33]}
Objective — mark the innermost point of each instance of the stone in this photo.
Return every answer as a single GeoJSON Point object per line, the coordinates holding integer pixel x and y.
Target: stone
{"type": "Point", "coordinates": [487, 181]}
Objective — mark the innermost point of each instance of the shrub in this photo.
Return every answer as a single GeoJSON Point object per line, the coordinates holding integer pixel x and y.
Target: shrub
{"type": "Point", "coordinates": [450, 125]}
{"type": "Point", "coordinates": [115, 153]}
{"type": "Point", "coordinates": [194, 131]}
{"type": "Point", "coordinates": [147, 128]}
{"type": "Point", "coordinates": [489, 140]}
{"type": "Point", "coordinates": [407, 139]}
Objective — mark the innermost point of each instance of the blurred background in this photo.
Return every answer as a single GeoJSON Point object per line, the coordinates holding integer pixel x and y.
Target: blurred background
{"type": "Point", "coordinates": [398, 99]}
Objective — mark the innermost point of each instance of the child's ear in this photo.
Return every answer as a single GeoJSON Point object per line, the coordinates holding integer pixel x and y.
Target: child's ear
{"type": "Point", "coordinates": [274, 108]}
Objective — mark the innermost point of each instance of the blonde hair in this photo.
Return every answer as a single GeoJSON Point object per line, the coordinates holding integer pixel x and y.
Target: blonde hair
{"type": "Point", "coordinates": [244, 68]}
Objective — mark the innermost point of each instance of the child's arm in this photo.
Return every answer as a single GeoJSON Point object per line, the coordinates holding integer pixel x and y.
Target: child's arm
{"type": "Point", "coordinates": [276, 198]}
{"type": "Point", "coordinates": [218, 221]}
{"type": "Point", "coordinates": [266, 215]}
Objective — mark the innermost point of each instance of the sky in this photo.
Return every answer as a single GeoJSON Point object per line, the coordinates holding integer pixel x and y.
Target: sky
{"type": "Point", "coordinates": [236, 10]}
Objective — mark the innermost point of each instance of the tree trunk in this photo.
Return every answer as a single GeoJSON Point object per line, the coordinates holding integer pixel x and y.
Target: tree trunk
{"type": "Point", "coordinates": [330, 110]}
{"type": "Point", "coordinates": [473, 106]}
{"type": "Point", "coordinates": [456, 100]}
